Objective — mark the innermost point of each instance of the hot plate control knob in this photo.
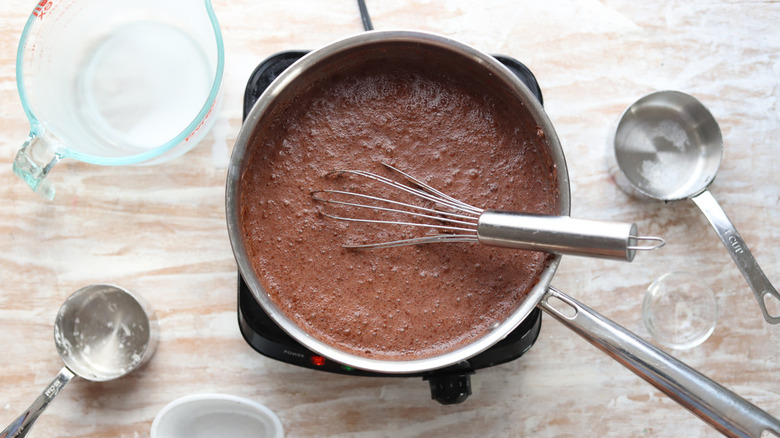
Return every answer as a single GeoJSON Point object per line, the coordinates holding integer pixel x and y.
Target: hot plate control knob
{"type": "Point", "coordinates": [451, 388]}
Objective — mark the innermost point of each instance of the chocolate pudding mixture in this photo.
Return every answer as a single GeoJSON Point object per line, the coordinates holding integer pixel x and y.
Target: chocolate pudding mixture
{"type": "Point", "coordinates": [399, 303]}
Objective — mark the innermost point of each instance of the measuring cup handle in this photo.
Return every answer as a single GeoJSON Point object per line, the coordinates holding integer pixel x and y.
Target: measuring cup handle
{"type": "Point", "coordinates": [22, 425]}
{"type": "Point", "coordinates": [719, 407]}
{"type": "Point", "coordinates": [759, 283]}
{"type": "Point", "coordinates": [33, 163]}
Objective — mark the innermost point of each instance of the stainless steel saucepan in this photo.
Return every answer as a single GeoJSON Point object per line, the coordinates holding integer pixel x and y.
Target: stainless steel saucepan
{"type": "Point", "coordinates": [723, 409]}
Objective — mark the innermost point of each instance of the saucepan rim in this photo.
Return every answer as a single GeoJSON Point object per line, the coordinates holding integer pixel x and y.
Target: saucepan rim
{"type": "Point", "coordinates": [317, 59]}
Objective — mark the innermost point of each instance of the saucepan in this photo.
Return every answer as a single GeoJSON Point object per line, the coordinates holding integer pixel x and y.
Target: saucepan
{"type": "Point", "coordinates": [726, 411]}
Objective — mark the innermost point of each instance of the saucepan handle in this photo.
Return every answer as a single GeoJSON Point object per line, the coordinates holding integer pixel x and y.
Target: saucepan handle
{"type": "Point", "coordinates": [723, 409]}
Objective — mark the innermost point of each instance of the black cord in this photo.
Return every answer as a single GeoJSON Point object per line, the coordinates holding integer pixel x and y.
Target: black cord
{"type": "Point", "coordinates": [364, 16]}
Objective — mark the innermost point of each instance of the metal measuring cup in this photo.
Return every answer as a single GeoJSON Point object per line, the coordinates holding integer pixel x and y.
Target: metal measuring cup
{"type": "Point", "coordinates": [669, 147]}
{"type": "Point", "coordinates": [102, 332]}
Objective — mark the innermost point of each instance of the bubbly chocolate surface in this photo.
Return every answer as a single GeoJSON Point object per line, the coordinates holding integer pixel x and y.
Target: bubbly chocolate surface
{"type": "Point", "coordinates": [398, 303]}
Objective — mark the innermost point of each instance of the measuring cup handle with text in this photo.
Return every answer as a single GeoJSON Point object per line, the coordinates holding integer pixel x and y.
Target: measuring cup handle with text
{"type": "Point", "coordinates": [759, 283]}
{"type": "Point", "coordinates": [23, 424]}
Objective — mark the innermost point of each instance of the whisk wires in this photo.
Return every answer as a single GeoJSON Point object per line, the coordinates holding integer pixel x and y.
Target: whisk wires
{"type": "Point", "coordinates": [455, 220]}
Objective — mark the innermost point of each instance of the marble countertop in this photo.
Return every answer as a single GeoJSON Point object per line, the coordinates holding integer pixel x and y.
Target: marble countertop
{"type": "Point", "coordinates": [160, 231]}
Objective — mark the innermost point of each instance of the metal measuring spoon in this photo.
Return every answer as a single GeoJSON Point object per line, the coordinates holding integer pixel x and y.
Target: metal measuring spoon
{"type": "Point", "coordinates": [669, 147]}
{"type": "Point", "coordinates": [102, 332]}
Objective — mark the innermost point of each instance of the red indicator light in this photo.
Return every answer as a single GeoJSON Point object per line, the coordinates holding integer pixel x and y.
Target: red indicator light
{"type": "Point", "coordinates": [317, 360]}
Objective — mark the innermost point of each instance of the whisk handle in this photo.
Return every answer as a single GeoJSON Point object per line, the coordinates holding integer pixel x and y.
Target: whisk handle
{"type": "Point", "coordinates": [561, 235]}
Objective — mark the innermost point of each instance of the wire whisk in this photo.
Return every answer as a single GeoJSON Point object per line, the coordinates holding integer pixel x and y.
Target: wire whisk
{"type": "Point", "coordinates": [456, 221]}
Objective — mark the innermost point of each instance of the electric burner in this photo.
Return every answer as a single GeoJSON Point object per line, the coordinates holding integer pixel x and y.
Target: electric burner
{"type": "Point", "coordinates": [448, 385]}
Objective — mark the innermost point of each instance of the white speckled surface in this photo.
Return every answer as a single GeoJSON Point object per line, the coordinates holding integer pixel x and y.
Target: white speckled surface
{"type": "Point", "coordinates": [160, 231]}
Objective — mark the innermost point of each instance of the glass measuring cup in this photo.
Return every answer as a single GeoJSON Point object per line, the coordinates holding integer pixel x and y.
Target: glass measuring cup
{"type": "Point", "coordinates": [115, 82]}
